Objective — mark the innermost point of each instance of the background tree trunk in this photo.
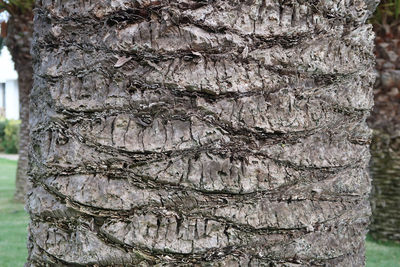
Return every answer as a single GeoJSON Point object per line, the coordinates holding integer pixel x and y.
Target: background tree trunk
{"type": "Point", "coordinates": [200, 133]}
{"type": "Point", "coordinates": [385, 120]}
{"type": "Point", "coordinates": [385, 199]}
{"type": "Point", "coordinates": [19, 39]}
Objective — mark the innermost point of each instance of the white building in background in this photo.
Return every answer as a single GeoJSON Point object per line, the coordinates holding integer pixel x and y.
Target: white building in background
{"type": "Point", "coordinates": [9, 96]}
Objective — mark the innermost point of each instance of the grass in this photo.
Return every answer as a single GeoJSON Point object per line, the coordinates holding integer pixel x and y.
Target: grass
{"type": "Point", "coordinates": [14, 221]}
{"type": "Point", "coordinates": [382, 254]}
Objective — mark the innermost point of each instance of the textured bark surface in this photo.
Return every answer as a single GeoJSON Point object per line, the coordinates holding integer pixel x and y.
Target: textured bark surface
{"type": "Point", "coordinates": [19, 39]}
{"type": "Point", "coordinates": [200, 133]}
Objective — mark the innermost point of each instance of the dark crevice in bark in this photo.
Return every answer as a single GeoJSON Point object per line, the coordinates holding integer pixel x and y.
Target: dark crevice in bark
{"type": "Point", "coordinates": [200, 212]}
{"type": "Point", "coordinates": [236, 149]}
{"type": "Point", "coordinates": [208, 255]}
{"type": "Point", "coordinates": [311, 175]}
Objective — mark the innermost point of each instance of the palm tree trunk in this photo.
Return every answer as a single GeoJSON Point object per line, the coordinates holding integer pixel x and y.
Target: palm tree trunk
{"type": "Point", "coordinates": [19, 38]}
{"type": "Point", "coordinates": [385, 168]}
{"type": "Point", "coordinates": [200, 133]}
{"type": "Point", "coordinates": [385, 148]}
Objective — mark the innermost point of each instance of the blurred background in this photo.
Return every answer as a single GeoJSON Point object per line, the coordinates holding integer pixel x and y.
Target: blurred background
{"type": "Point", "coordinates": [383, 241]}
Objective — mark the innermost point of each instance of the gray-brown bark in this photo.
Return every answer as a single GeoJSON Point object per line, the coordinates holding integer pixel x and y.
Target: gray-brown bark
{"type": "Point", "coordinates": [200, 133]}
{"type": "Point", "coordinates": [19, 38]}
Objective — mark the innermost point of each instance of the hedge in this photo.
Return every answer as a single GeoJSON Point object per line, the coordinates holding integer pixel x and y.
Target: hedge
{"type": "Point", "coordinates": [9, 136]}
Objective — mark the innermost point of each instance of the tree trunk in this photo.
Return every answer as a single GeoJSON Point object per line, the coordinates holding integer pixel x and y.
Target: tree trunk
{"type": "Point", "coordinates": [200, 133]}
{"type": "Point", "coordinates": [385, 149]}
{"type": "Point", "coordinates": [19, 39]}
{"type": "Point", "coordinates": [385, 200]}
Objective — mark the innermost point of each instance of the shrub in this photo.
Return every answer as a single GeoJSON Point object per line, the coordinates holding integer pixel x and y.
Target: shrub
{"type": "Point", "coordinates": [9, 135]}
{"type": "Point", "coordinates": [387, 14]}
{"type": "Point", "coordinates": [3, 123]}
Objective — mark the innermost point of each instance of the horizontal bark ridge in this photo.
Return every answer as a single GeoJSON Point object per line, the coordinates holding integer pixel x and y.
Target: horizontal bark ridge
{"type": "Point", "coordinates": [200, 133]}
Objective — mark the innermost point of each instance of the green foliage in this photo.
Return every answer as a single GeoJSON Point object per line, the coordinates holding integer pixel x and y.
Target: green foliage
{"type": "Point", "coordinates": [9, 135]}
{"type": "Point", "coordinates": [3, 123]}
{"type": "Point", "coordinates": [13, 6]}
{"type": "Point", "coordinates": [387, 13]}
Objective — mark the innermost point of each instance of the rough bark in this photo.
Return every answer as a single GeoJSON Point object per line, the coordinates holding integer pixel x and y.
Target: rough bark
{"type": "Point", "coordinates": [200, 133]}
{"type": "Point", "coordinates": [19, 39]}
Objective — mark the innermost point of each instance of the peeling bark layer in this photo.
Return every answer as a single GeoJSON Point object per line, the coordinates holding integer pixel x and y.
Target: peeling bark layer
{"type": "Point", "coordinates": [200, 133]}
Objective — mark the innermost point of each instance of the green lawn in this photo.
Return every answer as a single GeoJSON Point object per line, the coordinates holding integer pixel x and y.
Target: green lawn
{"type": "Point", "coordinates": [14, 220]}
{"type": "Point", "coordinates": [382, 254]}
